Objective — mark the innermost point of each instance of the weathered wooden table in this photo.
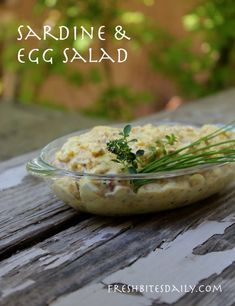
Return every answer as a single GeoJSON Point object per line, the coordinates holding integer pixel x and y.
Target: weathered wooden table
{"type": "Point", "coordinates": [26, 128]}
{"type": "Point", "coordinates": [51, 255]}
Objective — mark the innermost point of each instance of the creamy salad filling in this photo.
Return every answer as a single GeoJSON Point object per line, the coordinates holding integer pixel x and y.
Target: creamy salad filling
{"type": "Point", "coordinates": [89, 153]}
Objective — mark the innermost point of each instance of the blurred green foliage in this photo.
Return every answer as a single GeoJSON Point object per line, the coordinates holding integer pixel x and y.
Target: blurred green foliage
{"type": "Point", "coordinates": [197, 70]}
{"type": "Point", "coordinates": [205, 70]}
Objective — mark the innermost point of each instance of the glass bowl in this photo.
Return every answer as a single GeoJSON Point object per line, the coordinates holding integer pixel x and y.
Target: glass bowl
{"type": "Point", "coordinates": [113, 194]}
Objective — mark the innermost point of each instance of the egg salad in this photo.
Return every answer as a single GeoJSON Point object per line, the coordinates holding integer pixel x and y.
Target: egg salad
{"type": "Point", "coordinates": [103, 156]}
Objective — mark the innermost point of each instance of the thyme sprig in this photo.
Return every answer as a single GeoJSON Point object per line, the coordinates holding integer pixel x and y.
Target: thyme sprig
{"type": "Point", "coordinates": [198, 153]}
{"type": "Point", "coordinates": [122, 150]}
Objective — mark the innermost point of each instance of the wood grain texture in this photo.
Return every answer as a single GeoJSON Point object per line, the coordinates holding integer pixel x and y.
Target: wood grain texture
{"type": "Point", "coordinates": [47, 250]}
{"type": "Point", "coordinates": [29, 211]}
{"type": "Point", "coordinates": [217, 108]}
{"type": "Point", "coordinates": [26, 128]}
{"type": "Point", "coordinates": [227, 297]}
{"type": "Point", "coordinates": [64, 265]}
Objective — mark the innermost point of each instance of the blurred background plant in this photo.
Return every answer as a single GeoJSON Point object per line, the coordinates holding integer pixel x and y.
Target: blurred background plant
{"type": "Point", "coordinates": [196, 64]}
{"type": "Point", "coordinates": [211, 68]}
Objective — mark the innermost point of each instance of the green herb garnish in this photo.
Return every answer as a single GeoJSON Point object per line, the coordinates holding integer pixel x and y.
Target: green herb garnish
{"type": "Point", "coordinates": [171, 139]}
{"type": "Point", "coordinates": [198, 153]}
{"type": "Point", "coordinates": [124, 155]}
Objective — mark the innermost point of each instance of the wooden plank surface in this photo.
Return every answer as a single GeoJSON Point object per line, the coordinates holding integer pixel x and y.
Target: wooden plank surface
{"type": "Point", "coordinates": [98, 247]}
{"type": "Point", "coordinates": [48, 252]}
{"type": "Point", "coordinates": [26, 128]}
{"type": "Point", "coordinates": [28, 210]}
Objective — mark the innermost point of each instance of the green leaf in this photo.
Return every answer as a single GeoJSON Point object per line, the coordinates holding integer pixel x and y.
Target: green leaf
{"type": "Point", "coordinates": [115, 160]}
{"type": "Point", "coordinates": [171, 139]}
{"type": "Point", "coordinates": [126, 130]}
{"type": "Point", "coordinates": [132, 170]}
{"type": "Point", "coordinates": [133, 140]}
{"type": "Point", "coordinates": [132, 156]}
{"type": "Point", "coordinates": [140, 153]}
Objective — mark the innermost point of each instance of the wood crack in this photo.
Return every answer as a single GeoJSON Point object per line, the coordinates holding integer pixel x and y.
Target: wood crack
{"type": "Point", "coordinates": [30, 241]}
{"type": "Point", "coordinates": [218, 242]}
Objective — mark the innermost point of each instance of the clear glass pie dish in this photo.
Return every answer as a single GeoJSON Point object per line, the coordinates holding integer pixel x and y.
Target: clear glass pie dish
{"type": "Point", "coordinates": [112, 194]}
